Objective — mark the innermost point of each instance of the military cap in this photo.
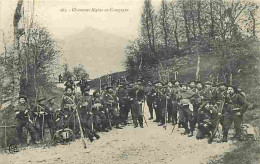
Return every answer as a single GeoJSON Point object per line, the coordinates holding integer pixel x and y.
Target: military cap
{"type": "Point", "coordinates": [183, 84]}
{"type": "Point", "coordinates": [22, 96]}
{"type": "Point", "coordinates": [109, 87]}
{"type": "Point", "coordinates": [53, 97]}
{"type": "Point", "coordinates": [191, 81]}
{"type": "Point", "coordinates": [208, 83]}
{"type": "Point", "coordinates": [69, 88]}
{"type": "Point", "coordinates": [41, 99]}
{"type": "Point", "coordinates": [103, 85]}
{"type": "Point", "coordinates": [222, 83]}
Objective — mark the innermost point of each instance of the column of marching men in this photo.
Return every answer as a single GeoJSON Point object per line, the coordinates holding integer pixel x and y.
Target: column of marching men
{"type": "Point", "coordinates": [189, 106]}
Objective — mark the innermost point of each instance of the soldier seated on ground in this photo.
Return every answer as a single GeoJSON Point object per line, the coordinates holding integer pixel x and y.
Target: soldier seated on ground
{"type": "Point", "coordinates": [207, 113]}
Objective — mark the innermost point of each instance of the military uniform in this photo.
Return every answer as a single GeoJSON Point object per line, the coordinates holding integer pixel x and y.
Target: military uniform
{"type": "Point", "coordinates": [175, 92]}
{"type": "Point", "coordinates": [159, 103]}
{"type": "Point", "coordinates": [49, 116]}
{"type": "Point", "coordinates": [137, 95]}
{"type": "Point", "coordinates": [109, 100]}
{"type": "Point", "coordinates": [123, 104]}
{"type": "Point", "coordinates": [86, 116]}
{"type": "Point", "coordinates": [235, 107]}
{"type": "Point", "coordinates": [23, 119]}
{"type": "Point", "coordinates": [186, 111]}
{"type": "Point", "coordinates": [68, 106]}
{"type": "Point", "coordinates": [150, 99]}
{"type": "Point", "coordinates": [205, 117]}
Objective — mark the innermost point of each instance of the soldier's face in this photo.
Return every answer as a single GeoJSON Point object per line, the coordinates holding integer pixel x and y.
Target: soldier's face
{"type": "Point", "coordinates": [69, 91]}
{"type": "Point", "coordinates": [207, 106]}
{"type": "Point", "coordinates": [207, 86]}
{"type": "Point", "coordinates": [22, 100]}
{"type": "Point", "coordinates": [192, 84]}
{"type": "Point", "coordinates": [169, 84]}
{"type": "Point", "coordinates": [177, 83]}
{"type": "Point", "coordinates": [183, 87]}
{"type": "Point", "coordinates": [222, 87]}
{"type": "Point", "coordinates": [199, 85]}
{"type": "Point", "coordinates": [110, 90]}
{"type": "Point", "coordinates": [230, 90]}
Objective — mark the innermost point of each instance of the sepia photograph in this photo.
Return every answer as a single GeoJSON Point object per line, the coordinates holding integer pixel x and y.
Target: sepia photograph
{"type": "Point", "coordinates": [129, 81]}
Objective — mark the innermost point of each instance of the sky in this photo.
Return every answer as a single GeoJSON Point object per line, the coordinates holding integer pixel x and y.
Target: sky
{"type": "Point", "coordinates": [63, 18]}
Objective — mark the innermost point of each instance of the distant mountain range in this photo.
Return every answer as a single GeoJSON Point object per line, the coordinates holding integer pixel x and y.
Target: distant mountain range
{"type": "Point", "coordinates": [98, 51]}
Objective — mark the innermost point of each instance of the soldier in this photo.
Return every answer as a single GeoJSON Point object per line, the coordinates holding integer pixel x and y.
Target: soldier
{"type": "Point", "coordinates": [83, 83]}
{"type": "Point", "coordinates": [39, 117]}
{"type": "Point", "coordinates": [149, 98]}
{"type": "Point", "coordinates": [86, 115]}
{"type": "Point", "coordinates": [137, 96]}
{"type": "Point", "coordinates": [49, 115]}
{"type": "Point", "coordinates": [158, 101]}
{"type": "Point", "coordinates": [23, 119]}
{"type": "Point", "coordinates": [166, 104]}
{"type": "Point", "coordinates": [199, 86]}
{"type": "Point", "coordinates": [109, 102]}
{"type": "Point", "coordinates": [235, 107]}
{"type": "Point", "coordinates": [60, 78]}
{"type": "Point", "coordinates": [192, 86]}
{"type": "Point", "coordinates": [207, 114]}
{"type": "Point", "coordinates": [100, 122]}
{"type": "Point", "coordinates": [68, 106]}
{"type": "Point", "coordinates": [175, 92]}
{"type": "Point", "coordinates": [186, 110]}
{"type": "Point", "coordinates": [69, 84]}
{"type": "Point", "coordinates": [122, 95]}
{"type": "Point", "coordinates": [206, 93]}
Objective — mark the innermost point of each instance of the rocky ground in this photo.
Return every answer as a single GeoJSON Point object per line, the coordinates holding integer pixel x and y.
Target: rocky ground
{"type": "Point", "coordinates": [153, 144]}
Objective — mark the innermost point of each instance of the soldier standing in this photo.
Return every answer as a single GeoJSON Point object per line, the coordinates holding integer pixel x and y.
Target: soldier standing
{"type": "Point", "coordinates": [49, 115]}
{"type": "Point", "coordinates": [69, 84]}
{"type": "Point", "coordinates": [235, 107]}
{"type": "Point", "coordinates": [186, 110]}
{"type": "Point", "coordinates": [158, 101]}
{"type": "Point", "coordinates": [175, 92]}
{"type": "Point", "coordinates": [137, 96]}
{"type": "Point", "coordinates": [122, 96]}
{"type": "Point", "coordinates": [23, 119]}
{"type": "Point", "coordinates": [39, 117]}
{"type": "Point", "coordinates": [68, 106]}
{"type": "Point", "coordinates": [150, 98]}
{"type": "Point", "coordinates": [86, 115]}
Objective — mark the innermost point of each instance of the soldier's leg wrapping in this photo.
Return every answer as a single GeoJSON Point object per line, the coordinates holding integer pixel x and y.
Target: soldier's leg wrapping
{"type": "Point", "coordinates": [227, 122]}
{"type": "Point", "coordinates": [135, 114]}
{"type": "Point", "coordinates": [238, 125]}
{"type": "Point", "coordinates": [170, 111]}
{"type": "Point", "coordinates": [150, 106]}
{"type": "Point", "coordinates": [190, 119]}
{"type": "Point", "coordinates": [140, 114]}
{"type": "Point", "coordinates": [183, 116]}
{"type": "Point", "coordinates": [200, 133]}
{"type": "Point", "coordinates": [51, 124]}
{"type": "Point", "coordinates": [29, 126]}
{"type": "Point", "coordinates": [19, 130]}
{"type": "Point", "coordinates": [175, 111]}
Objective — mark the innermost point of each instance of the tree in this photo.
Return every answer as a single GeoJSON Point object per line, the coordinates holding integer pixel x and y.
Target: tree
{"type": "Point", "coordinates": [80, 72]}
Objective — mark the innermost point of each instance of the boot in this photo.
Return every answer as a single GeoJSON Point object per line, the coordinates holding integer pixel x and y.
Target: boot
{"type": "Point", "coordinates": [160, 124]}
{"type": "Point", "coordinates": [118, 127]}
{"type": "Point", "coordinates": [141, 125]}
{"type": "Point", "coordinates": [186, 132]}
{"type": "Point", "coordinates": [190, 134]}
{"type": "Point", "coordinates": [224, 138]}
{"type": "Point", "coordinates": [150, 118]}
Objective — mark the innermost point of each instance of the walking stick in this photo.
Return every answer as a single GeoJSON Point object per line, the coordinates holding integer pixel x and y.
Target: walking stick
{"type": "Point", "coordinates": [165, 119]}
{"type": "Point", "coordinates": [144, 116]}
{"type": "Point", "coordinates": [173, 128]}
{"type": "Point", "coordinates": [43, 126]}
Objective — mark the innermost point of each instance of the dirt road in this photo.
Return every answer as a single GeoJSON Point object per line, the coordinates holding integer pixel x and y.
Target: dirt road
{"type": "Point", "coordinates": [152, 144]}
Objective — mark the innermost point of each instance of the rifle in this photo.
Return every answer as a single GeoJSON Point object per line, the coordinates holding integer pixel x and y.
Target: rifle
{"type": "Point", "coordinates": [144, 116]}
{"type": "Point", "coordinates": [81, 130]}
{"type": "Point", "coordinates": [173, 128]}
{"type": "Point", "coordinates": [216, 122]}
{"type": "Point", "coordinates": [165, 119]}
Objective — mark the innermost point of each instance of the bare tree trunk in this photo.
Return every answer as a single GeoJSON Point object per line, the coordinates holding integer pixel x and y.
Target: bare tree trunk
{"type": "Point", "coordinates": [186, 22]}
{"type": "Point", "coordinates": [199, 18]}
{"type": "Point", "coordinates": [211, 19]}
{"type": "Point", "coordinates": [198, 68]}
{"type": "Point", "coordinates": [17, 34]}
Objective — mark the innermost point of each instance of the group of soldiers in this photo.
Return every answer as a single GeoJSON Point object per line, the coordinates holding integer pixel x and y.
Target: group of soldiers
{"type": "Point", "coordinates": [187, 105]}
